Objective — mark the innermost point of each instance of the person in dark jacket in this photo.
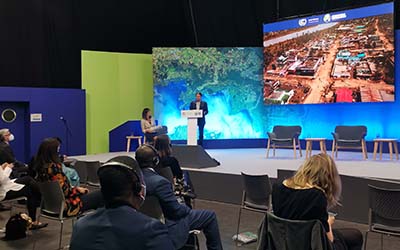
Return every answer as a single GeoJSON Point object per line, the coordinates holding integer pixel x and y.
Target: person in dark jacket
{"type": "Point", "coordinates": [308, 195]}
{"type": "Point", "coordinates": [7, 154]}
{"type": "Point", "coordinates": [201, 122]}
{"type": "Point", "coordinates": [119, 225]}
{"type": "Point", "coordinates": [180, 219]}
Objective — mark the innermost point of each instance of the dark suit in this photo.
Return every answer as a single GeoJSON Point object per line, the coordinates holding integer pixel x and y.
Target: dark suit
{"type": "Point", "coordinates": [201, 122]}
{"type": "Point", "coordinates": [180, 219]}
{"type": "Point", "coordinates": [119, 229]}
{"type": "Point", "coordinates": [7, 155]}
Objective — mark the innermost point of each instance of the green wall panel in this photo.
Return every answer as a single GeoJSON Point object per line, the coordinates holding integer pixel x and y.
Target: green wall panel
{"type": "Point", "coordinates": [118, 86]}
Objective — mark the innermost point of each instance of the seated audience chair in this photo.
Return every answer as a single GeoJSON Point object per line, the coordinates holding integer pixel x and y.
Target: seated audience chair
{"type": "Point", "coordinates": [277, 233]}
{"type": "Point", "coordinates": [349, 137]}
{"type": "Point", "coordinates": [384, 212]}
{"type": "Point", "coordinates": [284, 137]}
{"type": "Point", "coordinates": [152, 208]}
{"type": "Point", "coordinates": [81, 168]}
{"type": "Point", "coordinates": [256, 195]}
{"type": "Point", "coordinates": [52, 205]}
{"type": "Point", "coordinates": [92, 177]}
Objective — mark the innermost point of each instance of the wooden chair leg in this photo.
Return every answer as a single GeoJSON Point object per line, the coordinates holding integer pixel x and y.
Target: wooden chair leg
{"type": "Point", "coordinates": [396, 150]}
{"type": "Point", "coordinates": [294, 149]}
{"type": "Point", "coordinates": [333, 149]}
{"type": "Point", "coordinates": [391, 150]}
{"type": "Point", "coordinates": [363, 150]}
{"type": "Point", "coordinates": [375, 149]}
{"type": "Point", "coordinates": [301, 154]}
{"type": "Point", "coordinates": [308, 153]}
{"type": "Point", "coordinates": [269, 144]}
{"type": "Point", "coordinates": [380, 150]}
{"type": "Point", "coordinates": [128, 144]}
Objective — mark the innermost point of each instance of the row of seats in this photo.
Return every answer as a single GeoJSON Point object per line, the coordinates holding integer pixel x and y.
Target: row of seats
{"type": "Point", "coordinates": [344, 137]}
{"type": "Point", "coordinates": [384, 214]}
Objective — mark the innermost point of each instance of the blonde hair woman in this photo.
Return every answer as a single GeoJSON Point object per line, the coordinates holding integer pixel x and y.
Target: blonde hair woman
{"type": "Point", "coordinates": [308, 195]}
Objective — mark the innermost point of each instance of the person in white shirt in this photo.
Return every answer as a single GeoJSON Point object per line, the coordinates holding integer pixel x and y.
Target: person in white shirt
{"type": "Point", "coordinates": [23, 186]}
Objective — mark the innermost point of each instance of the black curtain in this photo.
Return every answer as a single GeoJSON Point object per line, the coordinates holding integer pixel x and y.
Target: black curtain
{"type": "Point", "coordinates": [41, 40]}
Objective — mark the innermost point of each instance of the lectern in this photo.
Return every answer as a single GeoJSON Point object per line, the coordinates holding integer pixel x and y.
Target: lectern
{"type": "Point", "coordinates": [192, 116]}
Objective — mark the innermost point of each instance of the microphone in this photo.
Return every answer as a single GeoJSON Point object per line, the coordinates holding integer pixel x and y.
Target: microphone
{"type": "Point", "coordinates": [62, 119]}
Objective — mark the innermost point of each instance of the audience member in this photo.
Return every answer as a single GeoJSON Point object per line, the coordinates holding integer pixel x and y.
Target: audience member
{"type": "Point", "coordinates": [7, 153]}
{"type": "Point", "coordinates": [180, 219]}
{"type": "Point", "coordinates": [315, 188]}
{"type": "Point", "coordinates": [71, 173]}
{"type": "Point", "coordinates": [22, 186]}
{"type": "Point", "coordinates": [49, 168]}
{"type": "Point", "coordinates": [119, 225]}
{"type": "Point", "coordinates": [149, 127]}
{"type": "Point", "coordinates": [163, 145]}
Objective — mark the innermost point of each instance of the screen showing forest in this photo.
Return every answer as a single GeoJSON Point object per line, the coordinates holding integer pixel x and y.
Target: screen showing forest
{"type": "Point", "coordinates": [230, 80]}
{"type": "Point", "coordinates": [345, 56]}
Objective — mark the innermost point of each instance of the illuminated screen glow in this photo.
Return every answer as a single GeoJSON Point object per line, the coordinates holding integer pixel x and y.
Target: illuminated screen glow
{"type": "Point", "coordinates": [345, 56]}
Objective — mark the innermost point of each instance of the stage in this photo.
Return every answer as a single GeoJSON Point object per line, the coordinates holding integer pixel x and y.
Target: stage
{"type": "Point", "coordinates": [254, 161]}
{"type": "Point", "coordinates": [223, 183]}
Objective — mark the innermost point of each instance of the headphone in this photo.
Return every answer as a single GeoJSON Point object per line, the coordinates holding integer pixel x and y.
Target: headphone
{"type": "Point", "coordinates": [155, 159]}
{"type": "Point", "coordinates": [137, 186]}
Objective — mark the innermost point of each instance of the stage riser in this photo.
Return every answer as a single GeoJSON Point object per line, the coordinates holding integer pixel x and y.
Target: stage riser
{"type": "Point", "coordinates": [228, 188]}
{"type": "Point", "coordinates": [262, 143]}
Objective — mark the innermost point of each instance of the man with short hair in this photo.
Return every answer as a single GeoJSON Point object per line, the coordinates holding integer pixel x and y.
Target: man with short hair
{"type": "Point", "coordinates": [180, 219]}
{"type": "Point", "coordinates": [7, 154]}
{"type": "Point", "coordinates": [199, 104]}
{"type": "Point", "coordinates": [119, 225]}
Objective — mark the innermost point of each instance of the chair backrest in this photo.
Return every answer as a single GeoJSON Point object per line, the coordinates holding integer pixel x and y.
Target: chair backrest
{"type": "Point", "coordinates": [152, 208]}
{"type": "Point", "coordinates": [286, 131]}
{"type": "Point", "coordinates": [294, 234]}
{"type": "Point", "coordinates": [258, 189]}
{"type": "Point", "coordinates": [92, 177]}
{"type": "Point", "coordinates": [351, 132]}
{"type": "Point", "coordinates": [80, 167]}
{"type": "Point", "coordinates": [166, 172]}
{"type": "Point", "coordinates": [53, 200]}
{"type": "Point", "coordinates": [384, 205]}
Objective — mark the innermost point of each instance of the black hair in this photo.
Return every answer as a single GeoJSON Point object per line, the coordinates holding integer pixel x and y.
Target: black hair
{"type": "Point", "coordinates": [163, 145]}
{"type": "Point", "coordinates": [118, 183]}
{"type": "Point", "coordinates": [144, 112]}
{"type": "Point", "coordinates": [199, 93]}
{"type": "Point", "coordinates": [47, 154]}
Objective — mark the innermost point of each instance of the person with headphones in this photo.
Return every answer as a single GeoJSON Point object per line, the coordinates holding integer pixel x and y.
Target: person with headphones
{"type": "Point", "coordinates": [119, 225]}
{"type": "Point", "coordinates": [180, 219]}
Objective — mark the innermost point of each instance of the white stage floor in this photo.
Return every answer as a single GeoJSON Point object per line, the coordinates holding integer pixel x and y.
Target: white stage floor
{"type": "Point", "coordinates": [254, 161]}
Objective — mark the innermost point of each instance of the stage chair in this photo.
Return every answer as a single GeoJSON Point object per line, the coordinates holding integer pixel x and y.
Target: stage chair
{"type": "Point", "coordinates": [384, 212]}
{"type": "Point", "coordinates": [349, 137]}
{"type": "Point", "coordinates": [256, 195]}
{"type": "Point", "coordinates": [277, 233]}
{"type": "Point", "coordinates": [284, 137]}
{"type": "Point", "coordinates": [52, 205]}
{"type": "Point", "coordinates": [92, 177]}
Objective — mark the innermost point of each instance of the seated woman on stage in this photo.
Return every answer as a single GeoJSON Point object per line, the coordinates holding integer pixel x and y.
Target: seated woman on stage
{"type": "Point", "coordinates": [308, 195]}
{"type": "Point", "coordinates": [49, 168]}
{"type": "Point", "coordinates": [149, 127]}
{"type": "Point", "coordinates": [163, 145]}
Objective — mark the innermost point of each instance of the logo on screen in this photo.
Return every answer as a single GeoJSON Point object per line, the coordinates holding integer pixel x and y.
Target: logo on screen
{"type": "Point", "coordinates": [302, 22]}
{"type": "Point", "coordinates": [327, 18]}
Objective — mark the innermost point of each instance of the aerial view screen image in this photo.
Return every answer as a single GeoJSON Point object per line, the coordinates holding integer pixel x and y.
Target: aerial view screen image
{"type": "Point", "coordinates": [345, 56]}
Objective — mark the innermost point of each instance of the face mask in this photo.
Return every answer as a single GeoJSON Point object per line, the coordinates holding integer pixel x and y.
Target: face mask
{"type": "Point", "coordinates": [11, 138]}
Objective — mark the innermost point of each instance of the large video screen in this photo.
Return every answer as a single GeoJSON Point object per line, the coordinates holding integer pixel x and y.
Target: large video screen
{"type": "Point", "coordinates": [230, 80]}
{"type": "Point", "coordinates": [345, 56]}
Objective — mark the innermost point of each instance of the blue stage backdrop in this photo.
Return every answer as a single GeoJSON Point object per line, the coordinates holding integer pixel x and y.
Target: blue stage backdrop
{"type": "Point", "coordinates": [231, 82]}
